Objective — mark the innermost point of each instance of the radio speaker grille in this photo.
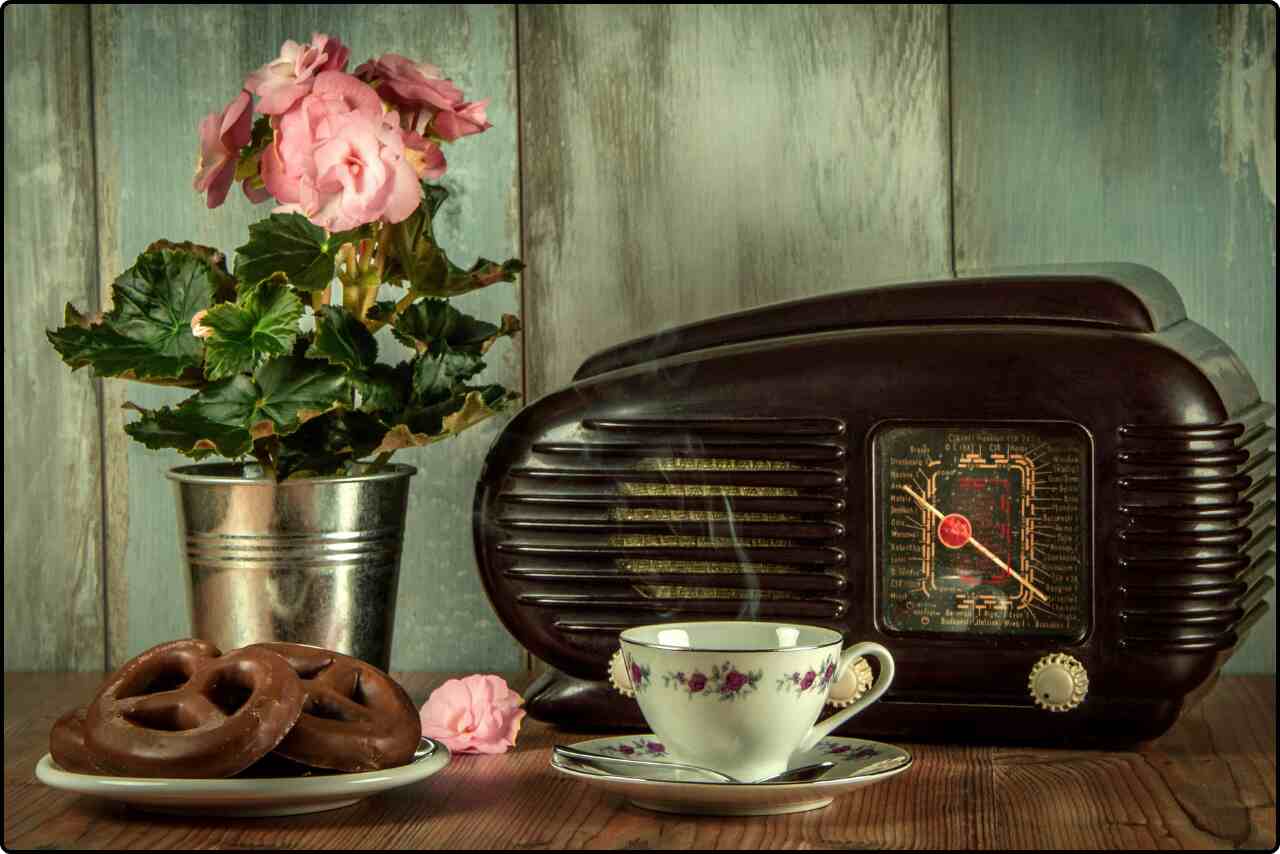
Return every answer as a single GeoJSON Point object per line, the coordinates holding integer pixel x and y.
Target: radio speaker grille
{"type": "Point", "coordinates": [1197, 545]}
{"type": "Point", "coordinates": [678, 519]}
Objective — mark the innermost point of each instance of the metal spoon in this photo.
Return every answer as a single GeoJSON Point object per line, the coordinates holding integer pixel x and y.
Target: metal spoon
{"type": "Point", "coordinates": [594, 760]}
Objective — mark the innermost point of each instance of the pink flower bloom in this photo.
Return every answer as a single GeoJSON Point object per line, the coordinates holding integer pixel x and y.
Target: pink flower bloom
{"type": "Point", "coordinates": [408, 84]}
{"type": "Point", "coordinates": [807, 682]}
{"type": "Point", "coordinates": [288, 77]}
{"type": "Point", "coordinates": [340, 160]}
{"type": "Point", "coordinates": [426, 100]}
{"type": "Point", "coordinates": [424, 155]}
{"type": "Point", "coordinates": [476, 714]}
{"type": "Point", "coordinates": [222, 135]}
{"type": "Point", "coordinates": [197, 328]}
{"type": "Point", "coordinates": [697, 682]}
{"type": "Point", "coordinates": [461, 121]}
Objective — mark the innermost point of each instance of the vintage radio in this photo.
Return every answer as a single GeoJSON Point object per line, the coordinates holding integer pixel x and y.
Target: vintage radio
{"type": "Point", "coordinates": [1050, 478]}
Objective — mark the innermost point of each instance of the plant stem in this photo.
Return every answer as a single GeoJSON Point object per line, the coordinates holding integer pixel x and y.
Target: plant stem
{"type": "Point", "coordinates": [405, 302]}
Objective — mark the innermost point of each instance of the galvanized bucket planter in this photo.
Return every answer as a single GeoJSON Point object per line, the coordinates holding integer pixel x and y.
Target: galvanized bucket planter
{"type": "Point", "coordinates": [314, 560]}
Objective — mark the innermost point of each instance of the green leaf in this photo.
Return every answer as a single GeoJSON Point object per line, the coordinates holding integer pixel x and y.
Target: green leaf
{"type": "Point", "coordinates": [147, 334]}
{"type": "Point", "coordinates": [228, 415]}
{"type": "Point", "coordinates": [430, 320]}
{"type": "Point", "coordinates": [214, 419]}
{"type": "Point", "coordinates": [456, 281]}
{"type": "Point", "coordinates": [263, 322]}
{"type": "Point", "coordinates": [293, 390]}
{"type": "Point", "coordinates": [416, 256]}
{"type": "Point", "coordinates": [382, 387]}
{"type": "Point", "coordinates": [329, 444]}
{"type": "Point", "coordinates": [424, 322]}
{"type": "Point", "coordinates": [477, 336]}
{"type": "Point", "coordinates": [291, 244]}
{"type": "Point", "coordinates": [224, 283]}
{"type": "Point", "coordinates": [343, 340]}
{"type": "Point", "coordinates": [440, 369]}
{"type": "Point", "coordinates": [424, 425]}
{"type": "Point", "coordinates": [382, 310]}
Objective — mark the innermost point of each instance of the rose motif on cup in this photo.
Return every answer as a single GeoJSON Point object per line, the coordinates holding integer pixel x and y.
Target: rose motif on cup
{"type": "Point", "coordinates": [803, 681]}
{"type": "Point", "coordinates": [725, 681]}
{"type": "Point", "coordinates": [637, 747]}
{"type": "Point", "coordinates": [639, 674]}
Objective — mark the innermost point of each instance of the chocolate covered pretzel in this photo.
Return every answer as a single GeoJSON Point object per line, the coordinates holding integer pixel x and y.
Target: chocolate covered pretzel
{"type": "Point", "coordinates": [183, 709]}
{"type": "Point", "coordinates": [67, 747]}
{"type": "Point", "coordinates": [356, 717]}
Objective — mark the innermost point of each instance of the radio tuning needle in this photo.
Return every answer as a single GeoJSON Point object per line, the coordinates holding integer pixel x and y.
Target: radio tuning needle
{"type": "Point", "coordinates": [920, 499]}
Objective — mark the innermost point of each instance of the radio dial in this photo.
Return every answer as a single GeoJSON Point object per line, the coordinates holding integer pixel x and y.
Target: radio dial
{"type": "Point", "coordinates": [1058, 683]}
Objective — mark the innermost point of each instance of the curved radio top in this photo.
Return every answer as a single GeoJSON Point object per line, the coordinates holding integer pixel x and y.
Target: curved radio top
{"type": "Point", "coordinates": [1127, 297]}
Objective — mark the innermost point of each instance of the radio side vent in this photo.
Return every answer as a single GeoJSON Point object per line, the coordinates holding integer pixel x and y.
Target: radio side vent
{"type": "Point", "coordinates": [1196, 548]}
{"type": "Point", "coordinates": [622, 522]}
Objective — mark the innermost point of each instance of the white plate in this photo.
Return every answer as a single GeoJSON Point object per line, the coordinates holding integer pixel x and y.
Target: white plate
{"type": "Point", "coordinates": [247, 796]}
{"type": "Point", "coordinates": [858, 763]}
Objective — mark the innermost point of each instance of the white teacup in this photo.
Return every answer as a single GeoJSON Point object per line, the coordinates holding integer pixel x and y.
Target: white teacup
{"type": "Point", "coordinates": [742, 697]}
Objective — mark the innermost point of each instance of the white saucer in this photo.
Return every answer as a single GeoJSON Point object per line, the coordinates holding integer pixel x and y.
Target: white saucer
{"type": "Point", "coordinates": [858, 763]}
{"type": "Point", "coordinates": [247, 796]}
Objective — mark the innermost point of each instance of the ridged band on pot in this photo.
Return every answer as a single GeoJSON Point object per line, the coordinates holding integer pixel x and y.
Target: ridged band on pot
{"type": "Point", "coordinates": [312, 560]}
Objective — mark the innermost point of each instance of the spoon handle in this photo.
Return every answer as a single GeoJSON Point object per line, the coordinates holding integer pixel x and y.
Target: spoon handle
{"type": "Point", "coordinates": [596, 758]}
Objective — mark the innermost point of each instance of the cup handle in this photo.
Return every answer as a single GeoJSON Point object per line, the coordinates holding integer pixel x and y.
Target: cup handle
{"type": "Point", "coordinates": [822, 729]}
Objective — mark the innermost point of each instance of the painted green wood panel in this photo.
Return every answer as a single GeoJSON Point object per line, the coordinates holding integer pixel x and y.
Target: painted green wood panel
{"type": "Point", "coordinates": [158, 70]}
{"type": "Point", "coordinates": [53, 609]}
{"type": "Point", "coordinates": [1127, 133]}
{"type": "Point", "coordinates": [679, 162]}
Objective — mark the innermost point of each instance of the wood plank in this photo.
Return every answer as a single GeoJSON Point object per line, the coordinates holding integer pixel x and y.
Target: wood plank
{"type": "Point", "coordinates": [53, 604]}
{"type": "Point", "coordinates": [1127, 133]}
{"type": "Point", "coordinates": [158, 70]}
{"type": "Point", "coordinates": [679, 162]}
{"type": "Point", "coordinates": [1208, 784]}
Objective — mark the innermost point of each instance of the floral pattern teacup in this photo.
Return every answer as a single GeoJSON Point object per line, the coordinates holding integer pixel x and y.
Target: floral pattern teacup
{"type": "Point", "coordinates": [741, 697]}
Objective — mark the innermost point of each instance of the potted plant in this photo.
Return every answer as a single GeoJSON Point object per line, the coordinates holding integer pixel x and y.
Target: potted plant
{"type": "Point", "coordinates": [298, 538]}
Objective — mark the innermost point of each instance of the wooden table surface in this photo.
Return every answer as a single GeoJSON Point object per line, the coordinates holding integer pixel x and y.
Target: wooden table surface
{"type": "Point", "coordinates": [1209, 783]}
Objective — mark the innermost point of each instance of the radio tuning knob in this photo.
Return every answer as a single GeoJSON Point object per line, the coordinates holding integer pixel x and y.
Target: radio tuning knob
{"type": "Point", "coordinates": [618, 676]}
{"type": "Point", "coordinates": [852, 684]}
{"type": "Point", "coordinates": [1058, 682]}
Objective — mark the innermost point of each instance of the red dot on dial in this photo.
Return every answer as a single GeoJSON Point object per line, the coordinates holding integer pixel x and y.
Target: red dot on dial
{"type": "Point", "coordinates": [954, 530]}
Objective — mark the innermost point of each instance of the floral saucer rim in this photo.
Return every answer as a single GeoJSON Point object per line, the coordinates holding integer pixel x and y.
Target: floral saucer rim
{"type": "Point", "coordinates": [860, 773]}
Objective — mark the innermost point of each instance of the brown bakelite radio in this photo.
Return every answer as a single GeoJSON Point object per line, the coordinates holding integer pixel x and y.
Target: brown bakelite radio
{"type": "Point", "coordinates": [1049, 494]}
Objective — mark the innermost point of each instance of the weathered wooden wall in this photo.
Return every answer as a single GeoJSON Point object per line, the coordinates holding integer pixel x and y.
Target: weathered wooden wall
{"type": "Point", "coordinates": [652, 165]}
{"type": "Point", "coordinates": [683, 162]}
{"type": "Point", "coordinates": [53, 580]}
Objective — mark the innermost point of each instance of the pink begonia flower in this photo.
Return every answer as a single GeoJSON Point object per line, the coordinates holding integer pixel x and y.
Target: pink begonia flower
{"type": "Point", "coordinates": [475, 714]}
{"type": "Point", "coordinates": [463, 120]}
{"type": "Point", "coordinates": [255, 190]}
{"type": "Point", "coordinates": [409, 84]}
{"type": "Point", "coordinates": [222, 135]}
{"type": "Point", "coordinates": [362, 175]}
{"type": "Point", "coordinates": [290, 76]}
{"type": "Point", "coordinates": [198, 329]}
{"type": "Point", "coordinates": [424, 155]}
{"type": "Point", "coordinates": [340, 160]}
{"type": "Point", "coordinates": [424, 97]}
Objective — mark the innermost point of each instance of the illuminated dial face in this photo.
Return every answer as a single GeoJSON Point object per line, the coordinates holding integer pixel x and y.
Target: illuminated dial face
{"type": "Point", "coordinates": [983, 529]}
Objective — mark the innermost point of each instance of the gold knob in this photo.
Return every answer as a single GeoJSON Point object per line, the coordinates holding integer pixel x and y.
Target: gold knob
{"type": "Point", "coordinates": [619, 678]}
{"type": "Point", "coordinates": [1058, 682]}
{"type": "Point", "coordinates": [852, 684]}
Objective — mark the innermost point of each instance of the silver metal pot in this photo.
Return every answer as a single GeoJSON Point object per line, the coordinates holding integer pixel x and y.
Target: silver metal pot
{"type": "Point", "coordinates": [314, 560]}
